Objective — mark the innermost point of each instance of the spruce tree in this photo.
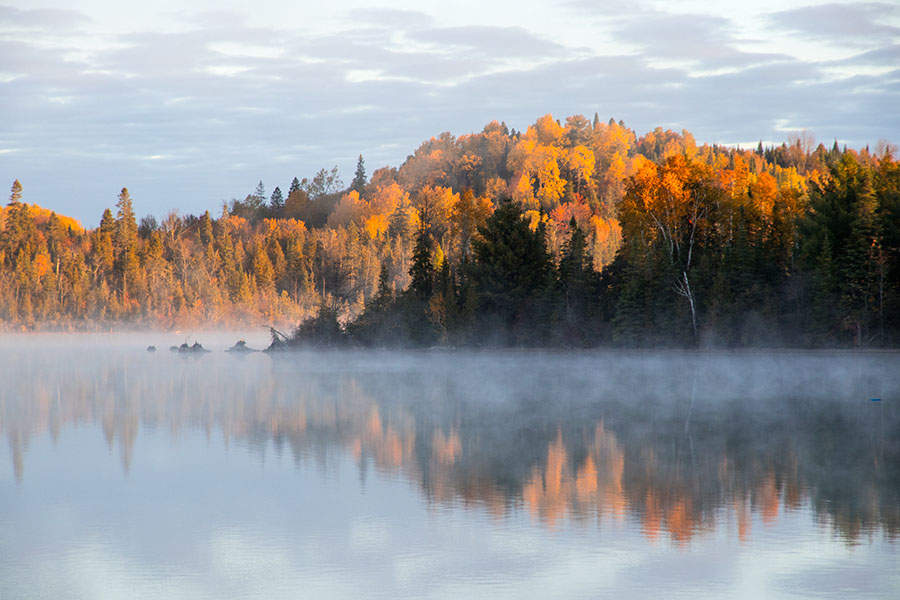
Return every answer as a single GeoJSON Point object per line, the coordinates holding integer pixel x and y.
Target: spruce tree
{"type": "Point", "coordinates": [422, 270]}
{"type": "Point", "coordinates": [359, 179]}
{"type": "Point", "coordinates": [276, 202]}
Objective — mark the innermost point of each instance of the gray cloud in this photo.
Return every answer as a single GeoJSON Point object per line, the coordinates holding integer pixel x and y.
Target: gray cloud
{"type": "Point", "coordinates": [48, 18]}
{"type": "Point", "coordinates": [854, 23]}
{"type": "Point", "coordinates": [882, 56]}
{"type": "Point", "coordinates": [707, 42]}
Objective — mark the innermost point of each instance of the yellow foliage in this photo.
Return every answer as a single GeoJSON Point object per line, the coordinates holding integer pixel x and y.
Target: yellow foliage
{"type": "Point", "coordinates": [580, 160]}
{"type": "Point", "coordinates": [234, 223]}
{"type": "Point", "coordinates": [291, 227]}
{"type": "Point", "coordinates": [617, 167]}
{"type": "Point", "coordinates": [435, 205]}
{"type": "Point", "coordinates": [536, 164]}
{"type": "Point", "coordinates": [522, 189]}
{"type": "Point", "coordinates": [764, 191]}
{"type": "Point", "coordinates": [387, 199]}
{"type": "Point", "coordinates": [547, 131]}
{"type": "Point", "coordinates": [789, 178]}
{"type": "Point", "coordinates": [496, 188]}
{"type": "Point", "coordinates": [534, 219]}
{"type": "Point", "coordinates": [376, 226]}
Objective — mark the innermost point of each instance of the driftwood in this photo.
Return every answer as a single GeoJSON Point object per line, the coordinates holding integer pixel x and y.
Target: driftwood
{"type": "Point", "coordinates": [280, 340]}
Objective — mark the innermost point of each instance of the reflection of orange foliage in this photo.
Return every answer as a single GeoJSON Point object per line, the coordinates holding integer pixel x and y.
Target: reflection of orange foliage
{"type": "Point", "coordinates": [586, 480]}
{"type": "Point", "coordinates": [546, 496]}
{"type": "Point", "coordinates": [388, 447]}
{"type": "Point", "coordinates": [446, 449]}
{"type": "Point", "coordinates": [768, 499]}
{"type": "Point", "coordinates": [594, 488]}
{"type": "Point", "coordinates": [652, 523]}
{"type": "Point", "coordinates": [562, 486]}
{"type": "Point", "coordinates": [741, 507]}
{"type": "Point", "coordinates": [680, 522]}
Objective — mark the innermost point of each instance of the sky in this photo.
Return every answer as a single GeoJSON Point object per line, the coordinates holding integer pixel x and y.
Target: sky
{"type": "Point", "coordinates": [190, 104]}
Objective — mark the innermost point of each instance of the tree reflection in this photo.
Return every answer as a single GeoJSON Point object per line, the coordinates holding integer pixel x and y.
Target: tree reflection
{"type": "Point", "coordinates": [549, 447]}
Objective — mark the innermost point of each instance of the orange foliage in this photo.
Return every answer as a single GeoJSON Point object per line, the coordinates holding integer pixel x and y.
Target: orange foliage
{"type": "Point", "coordinates": [376, 226]}
{"type": "Point", "coordinates": [41, 217]}
{"type": "Point", "coordinates": [42, 265]}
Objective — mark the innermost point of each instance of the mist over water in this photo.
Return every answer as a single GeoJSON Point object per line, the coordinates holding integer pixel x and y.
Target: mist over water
{"type": "Point", "coordinates": [508, 473]}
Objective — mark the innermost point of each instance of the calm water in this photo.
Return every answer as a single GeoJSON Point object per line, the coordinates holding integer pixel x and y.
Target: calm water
{"type": "Point", "coordinates": [125, 474]}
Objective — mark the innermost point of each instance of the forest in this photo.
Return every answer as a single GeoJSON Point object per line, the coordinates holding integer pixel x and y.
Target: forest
{"type": "Point", "coordinates": [569, 234]}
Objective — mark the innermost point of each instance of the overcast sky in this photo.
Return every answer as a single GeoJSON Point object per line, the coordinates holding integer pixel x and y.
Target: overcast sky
{"type": "Point", "coordinates": [190, 107]}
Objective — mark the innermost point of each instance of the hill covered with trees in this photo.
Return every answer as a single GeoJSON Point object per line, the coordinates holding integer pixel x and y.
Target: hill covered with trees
{"type": "Point", "coordinates": [578, 234]}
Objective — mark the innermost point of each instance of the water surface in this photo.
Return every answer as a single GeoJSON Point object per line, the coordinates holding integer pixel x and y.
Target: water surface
{"type": "Point", "coordinates": [445, 474]}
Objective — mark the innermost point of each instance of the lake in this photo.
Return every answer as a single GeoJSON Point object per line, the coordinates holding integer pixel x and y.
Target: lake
{"type": "Point", "coordinates": [128, 474]}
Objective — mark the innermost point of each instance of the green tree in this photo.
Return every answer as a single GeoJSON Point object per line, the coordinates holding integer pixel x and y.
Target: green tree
{"type": "Point", "coordinates": [15, 194]}
{"type": "Point", "coordinates": [422, 270]}
{"type": "Point", "coordinates": [206, 229]}
{"type": "Point", "coordinates": [125, 243]}
{"type": "Point", "coordinates": [513, 274]}
{"type": "Point", "coordinates": [276, 202]}
{"type": "Point", "coordinates": [359, 178]}
{"type": "Point", "coordinates": [574, 274]}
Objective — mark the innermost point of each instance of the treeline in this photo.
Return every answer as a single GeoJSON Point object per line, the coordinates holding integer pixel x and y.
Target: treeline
{"type": "Point", "coordinates": [575, 234]}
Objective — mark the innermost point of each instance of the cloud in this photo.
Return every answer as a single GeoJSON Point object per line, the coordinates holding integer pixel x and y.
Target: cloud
{"type": "Point", "coordinates": [48, 18]}
{"type": "Point", "coordinates": [702, 42]}
{"type": "Point", "coordinates": [846, 23]}
{"type": "Point", "coordinates": [490, 41]}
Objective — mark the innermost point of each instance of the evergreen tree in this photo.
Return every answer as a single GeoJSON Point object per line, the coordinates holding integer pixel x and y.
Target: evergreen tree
{"type": "Point", "coordinates": [513, 274]}
{"type": "Point", "coordinates": [206, 229]}
{"type": "Point", "coordinates": [125, 242]}
{"type": "Point", "coordinates": [259, 195]}
{"type": "Point", "coordinates": [126, 229]}
{"type": "Point", "coordinates": [107, 222]}
{"type": "Point", "coordinates": [15, 195]}
{"type": "Point", "coordinates": [359, 179]}
{"type": "Point", "coordinates": [276, 202]}
{"type": "Point", "coordinates": [422, 270]}
{"type": "Point", "coordinates": [574, 275]}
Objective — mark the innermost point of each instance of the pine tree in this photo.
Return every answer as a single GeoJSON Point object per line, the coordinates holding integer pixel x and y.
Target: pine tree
{"type": "Point", "coordinates": [513, 271]}
{"type": "Point", "coordinates": [107, 222]}
{"type": "Point", "coordinates": [259, 195]}
{"type": "Point", "coordinates": [422, 270]}
{"type": "Point", "coordinates": [126, 230]}
{"type": "Point", "coordinates": [276, 202]}
{"type": "Point", "coordinates": [15, 195]}
{"type": "Point", "coordinates": [125, 242]}
{"type": "Point", "coordinates": [206, 229]}
{"type": "Point", "coordinates": [359, 179]}
{"type": "Point", "coordinates": [574, 271]}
